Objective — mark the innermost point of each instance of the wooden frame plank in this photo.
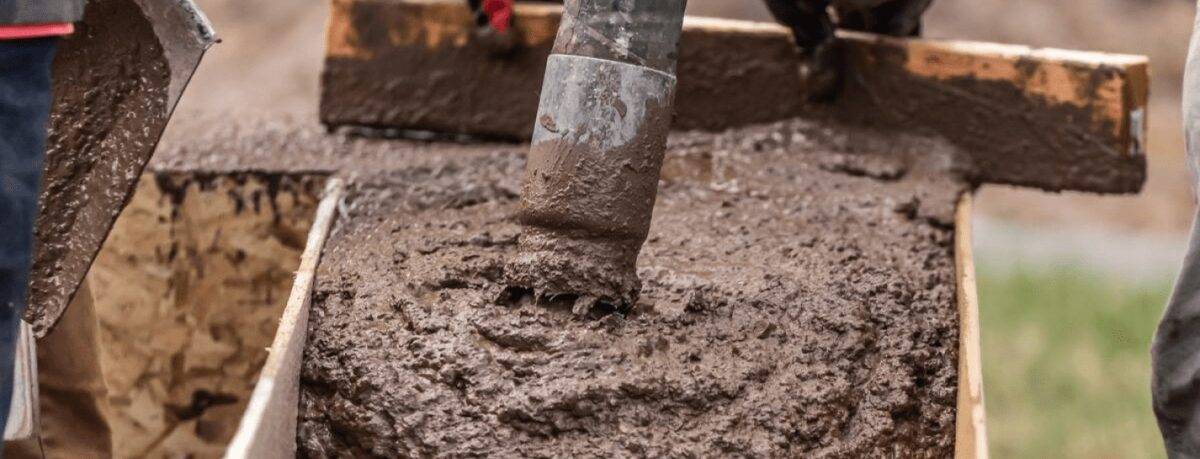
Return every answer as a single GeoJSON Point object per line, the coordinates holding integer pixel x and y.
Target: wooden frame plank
{"type": "Point", "coordinates": [971, 427]}
{"type": "Point", "coordinates": [268, 428]}
{"type": "Point", "coordinates": [23, 409]}
{"type": "Point", "coordinates": [1046, 118]}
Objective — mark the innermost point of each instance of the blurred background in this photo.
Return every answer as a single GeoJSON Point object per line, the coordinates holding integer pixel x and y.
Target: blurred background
{"type": "Point", "coordinates": [1071, 285]}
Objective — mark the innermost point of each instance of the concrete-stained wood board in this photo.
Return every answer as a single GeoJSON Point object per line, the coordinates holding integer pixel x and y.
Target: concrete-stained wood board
{"type": "Point", "coordinates": [1045, 118]}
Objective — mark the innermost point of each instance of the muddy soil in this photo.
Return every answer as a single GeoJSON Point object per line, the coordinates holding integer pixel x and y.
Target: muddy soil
{"type": "Point", "coordinates": [798, 299]}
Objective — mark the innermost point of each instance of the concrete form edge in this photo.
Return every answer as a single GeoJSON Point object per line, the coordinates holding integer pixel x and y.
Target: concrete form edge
{"type": "Point", "coordinates": [971, 423]}
{"type": "Point", "coordinates": [23, 410]}
{"type": "Point", "coordinates": [268, 427]}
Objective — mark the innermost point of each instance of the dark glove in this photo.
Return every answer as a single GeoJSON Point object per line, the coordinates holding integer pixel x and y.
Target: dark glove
{"type": "Point", "coordinates": [813, 31]}
{"type": "Point", "coordinates": [898, 18]}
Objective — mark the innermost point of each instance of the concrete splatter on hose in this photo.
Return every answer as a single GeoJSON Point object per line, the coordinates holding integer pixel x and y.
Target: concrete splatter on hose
{"type": "Point", "coordinates": [593, 168]}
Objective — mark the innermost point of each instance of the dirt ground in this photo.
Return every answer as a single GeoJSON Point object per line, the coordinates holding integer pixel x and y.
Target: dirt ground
{"type": "Point", "coordinates": [272, 52]}
{"type": "Point", "coordinates": [798, 299]}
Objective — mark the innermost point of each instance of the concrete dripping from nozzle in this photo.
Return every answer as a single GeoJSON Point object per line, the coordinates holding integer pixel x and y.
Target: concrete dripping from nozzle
{"type": "Point", "coordinates": [591, 177]}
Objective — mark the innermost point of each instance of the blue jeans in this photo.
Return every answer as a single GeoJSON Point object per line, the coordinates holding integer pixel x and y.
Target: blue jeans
{"type": "Point", "coordinates": [24, 109]}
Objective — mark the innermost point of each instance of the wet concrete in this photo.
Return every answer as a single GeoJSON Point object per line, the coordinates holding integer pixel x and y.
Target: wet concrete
{"type": "Point", "coordinates": [798, 299]}
{"type": "Point", "coordinates": [229, 143]}
{"type": "Point", "coordinates": [110, 96]}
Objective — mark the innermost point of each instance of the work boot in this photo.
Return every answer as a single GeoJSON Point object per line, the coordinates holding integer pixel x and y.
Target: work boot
{"type": "Point", "coordinates": [821, 71]}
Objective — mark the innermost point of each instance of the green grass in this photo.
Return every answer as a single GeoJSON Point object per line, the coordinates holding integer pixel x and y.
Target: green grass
{"type": "Point", "coordinates": [1066, 363]}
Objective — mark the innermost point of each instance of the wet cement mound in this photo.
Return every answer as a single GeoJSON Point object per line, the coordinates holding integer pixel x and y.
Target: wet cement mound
{"type": "Point", "coordinates": [798, 299]}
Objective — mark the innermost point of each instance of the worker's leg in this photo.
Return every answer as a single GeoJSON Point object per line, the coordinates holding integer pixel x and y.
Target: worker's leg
{"type": "Point", "coordinates": [24, 109]}
{"type": "Point", "coordinates": [73, 396]}
{"type": "Point", "coordinates": [71, 389]}
{"type": "Point", "coordinates": [1175, 353]}
{"type": "Point", "coordinates": [1176, 360]}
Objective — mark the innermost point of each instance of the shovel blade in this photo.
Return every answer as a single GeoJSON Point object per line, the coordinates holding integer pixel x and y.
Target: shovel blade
{"type": "Point", "coordinates": [116, 82]}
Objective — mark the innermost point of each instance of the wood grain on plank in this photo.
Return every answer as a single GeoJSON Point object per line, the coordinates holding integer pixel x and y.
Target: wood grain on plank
{"type": "Point", "coordinates": [971, 427]}
{"type": "Point", "coordinates": [268, 428]}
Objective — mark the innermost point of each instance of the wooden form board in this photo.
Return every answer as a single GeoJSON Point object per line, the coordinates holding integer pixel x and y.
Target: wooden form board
{"type": "Point", "coordinates": [970, 439]}
{"type": "Point", "coordinates": [23, 409]}
{"type": "Point", "coordinates": [1047, 118]}
{"type": "Point", "coordinates": [268, 428]}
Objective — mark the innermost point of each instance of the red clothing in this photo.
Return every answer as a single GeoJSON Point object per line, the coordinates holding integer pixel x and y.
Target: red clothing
{"type": "Point", "coordinates": [499, 13]}
{"type": "Point", "coordinates": [22, 31]}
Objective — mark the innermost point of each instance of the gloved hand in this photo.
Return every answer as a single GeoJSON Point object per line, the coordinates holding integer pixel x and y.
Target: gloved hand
{"type": "Point", "coordinates": [813, 30]}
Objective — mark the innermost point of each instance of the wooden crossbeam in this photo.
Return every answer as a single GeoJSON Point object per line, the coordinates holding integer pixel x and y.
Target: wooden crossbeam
{"type": "Point", "coordinates": [1052, 119]}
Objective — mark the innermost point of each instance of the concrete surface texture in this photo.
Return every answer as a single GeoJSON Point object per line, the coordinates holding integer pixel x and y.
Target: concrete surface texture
{"type": "Point", "coordinates": [764, 237]}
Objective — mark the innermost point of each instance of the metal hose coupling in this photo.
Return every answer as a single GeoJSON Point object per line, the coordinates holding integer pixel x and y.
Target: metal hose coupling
{"type": "Point", "coordinates": [592, 174]}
